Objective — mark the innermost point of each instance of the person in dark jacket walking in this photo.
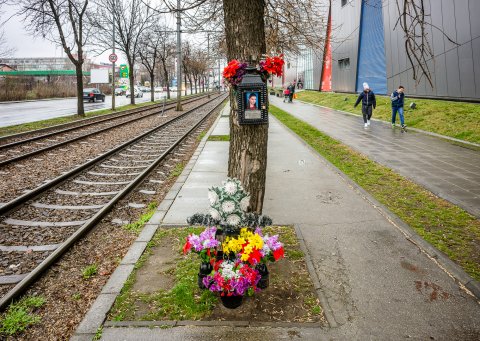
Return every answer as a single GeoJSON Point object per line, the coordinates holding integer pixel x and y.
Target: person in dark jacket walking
{"type": "Point", "coordinates": [368, 104]}
{"type": "Point", "coordinates": [291, 88]}
{"type": "Point", "coordinates": [397, 97]}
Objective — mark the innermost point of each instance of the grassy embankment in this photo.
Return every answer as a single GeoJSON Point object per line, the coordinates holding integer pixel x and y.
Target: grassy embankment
{"type": "Point", "coordinates": [444, 225]}
{"type": "Point", "coordinates": [19, 128]}
{"type": "Point", "coordinates": [455, 119]}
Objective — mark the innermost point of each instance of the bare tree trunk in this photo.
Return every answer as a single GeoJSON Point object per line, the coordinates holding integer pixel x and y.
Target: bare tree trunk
{"type": "Point", "coordinates": [79, 74]}
{"type": "Point", "coordinates": [132, 82]}
{"type": "Point", "coordinates": [185, 82]}
{"type": "Point", "coordinates": [245, 37]}
{"type": "Point", "coordinates": [152, 86]}
{"type": "Point", "coordinates": [165, 74]}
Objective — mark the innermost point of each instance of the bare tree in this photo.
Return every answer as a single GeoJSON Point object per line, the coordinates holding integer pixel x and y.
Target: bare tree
{"type": "Point", "coordinates": [63, 23]}
{"type": "Point", "coordinates": [166, 53]}
{"type": "Point", "coordinates": [5, 50]}
{"type": "Point", "coordinates": [149, 53]}
{"type": "Point", "coordinates": [131, 18]}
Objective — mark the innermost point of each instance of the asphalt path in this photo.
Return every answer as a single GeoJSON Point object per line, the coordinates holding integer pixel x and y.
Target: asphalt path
{"type": "Point", "coordinates": [14, 113]}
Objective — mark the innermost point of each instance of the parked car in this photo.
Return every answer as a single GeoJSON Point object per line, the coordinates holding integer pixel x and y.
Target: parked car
{"type": "Point", "coordinates": [136, 93]}
{"type": "Point", "coordinates": [93, 95]}
{"type": "Point", "coordinates": [158, 89]}
{"type": "Point", "coordinates": [119, 91]}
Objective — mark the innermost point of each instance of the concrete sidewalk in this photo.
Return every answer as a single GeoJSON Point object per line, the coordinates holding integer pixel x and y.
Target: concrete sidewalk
{"type": "Point", "coordinates": [447, 170]}
{"type": "Point", "coordinates": [377, 279]}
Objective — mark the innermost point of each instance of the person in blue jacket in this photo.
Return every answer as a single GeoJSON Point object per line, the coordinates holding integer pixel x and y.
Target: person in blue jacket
{"type": "Point", "coordinates": [368, 104]}
{"type": "Point", "coordinates": [397, 97]}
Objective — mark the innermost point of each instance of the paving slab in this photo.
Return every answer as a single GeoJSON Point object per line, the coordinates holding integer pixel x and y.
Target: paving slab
{"type": "Point", "coordinates": [455, 165]}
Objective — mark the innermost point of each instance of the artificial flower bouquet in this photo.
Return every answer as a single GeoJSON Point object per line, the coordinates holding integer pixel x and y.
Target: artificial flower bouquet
{"type": "Point", "coordinates": [235, 70]}
{"type": "Point", "coordinates": [233, 249]}
{"type": "Point", "coordinates": [253, 248]}
{"type": "Point", "coordinates": [204, 244]}
{"type": "Point", "coordinates": [232, 278]}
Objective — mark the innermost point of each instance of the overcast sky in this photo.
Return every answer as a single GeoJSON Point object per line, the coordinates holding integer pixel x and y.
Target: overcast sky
{"type": "Point", "coordinates": [28, 46]}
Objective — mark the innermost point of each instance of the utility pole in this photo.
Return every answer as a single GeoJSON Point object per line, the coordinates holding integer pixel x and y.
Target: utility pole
{"type": "Point", "coordinates": [208, 64]}
{"type": "Point", "coordinates": [113, 52]}
{"type": "Point", "coordinates": [179, 59]}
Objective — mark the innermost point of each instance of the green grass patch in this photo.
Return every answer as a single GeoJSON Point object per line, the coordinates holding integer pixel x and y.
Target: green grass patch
{"type": "Point", "coordinates": [444, 225]}
{"type": "Point", "coordinates": [137, 226]}
{"type": "Point", "coordinates": [90, 271]}
{"type": "Point", "coordinates": [184, 301]}
{"type": "Point", "coordinates": [201, 135]}
{"type": "Point", "coordinates": [181, 299]}
{"type": "Point", "coordinates": [460, 120]}
{"type": "Point", "coordinates": [177, 170]}
{"type": "Point", "coordinates": [19, 128]}
{"type": "Point", "coordinates": [219, 138]}
{"type": "Point", "coordinates": [20, 315]}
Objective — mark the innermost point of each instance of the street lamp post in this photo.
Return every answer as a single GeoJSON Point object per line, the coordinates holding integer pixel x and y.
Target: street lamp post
{"type": "Point", "coordinates": [208, 64]}
{"type": "Point", "coordinates": [179, 59]}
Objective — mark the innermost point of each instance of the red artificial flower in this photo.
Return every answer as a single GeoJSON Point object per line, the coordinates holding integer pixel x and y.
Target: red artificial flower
{"type": "Point", "coordinates": [278, 253]}
{"type": "Point", "coordinates": [216, 266]}
{"type": "Point", "coordinates": [274, 65]}
{"type": "Point", "coordinates": [231, 69]}
{"type": "Point", "coordinates": [254, 257]}
{"type": "Point", "coordinates": [186, 247]}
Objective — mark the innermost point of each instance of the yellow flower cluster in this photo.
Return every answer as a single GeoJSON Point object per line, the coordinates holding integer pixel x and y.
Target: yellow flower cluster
{"type": "Point", "coordinates": [253, 241]}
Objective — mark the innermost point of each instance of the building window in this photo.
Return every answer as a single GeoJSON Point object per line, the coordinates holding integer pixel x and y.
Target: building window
{"type": "Point", "coordinates": [344, 64]}
{"type": "Point", "coordinates": [344, 2]}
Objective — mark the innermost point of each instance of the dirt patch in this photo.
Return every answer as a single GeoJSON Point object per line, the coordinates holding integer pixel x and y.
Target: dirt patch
{"type": "Point", "coordinates": [290, 297]}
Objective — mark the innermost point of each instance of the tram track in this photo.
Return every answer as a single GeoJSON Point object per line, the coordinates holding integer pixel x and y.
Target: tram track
{"type": "Point", "coordinates": [61, 211]}
{"type": "Point", "coordinates": [24, 175]}
{"type": "Point", "coordinates": [20, 148]}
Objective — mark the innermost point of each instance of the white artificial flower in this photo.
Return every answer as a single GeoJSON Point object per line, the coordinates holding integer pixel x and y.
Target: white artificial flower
{"type": "Point", "coordinates": [213, 197]}
{"type": "Point", "coordinates": [244, 203]}
{"type": "Point", "coordinates": [214, 213]}
{"type": "Point", "coordinates": [228, 206]}
{"type": "Point", "coordinates": [233, 220]}
{"type": "Point", "coordinates": [230, 187]}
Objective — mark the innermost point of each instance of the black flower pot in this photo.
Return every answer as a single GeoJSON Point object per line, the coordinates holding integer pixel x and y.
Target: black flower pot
{"type": "Point", "coordinates": [265, 277]}
{"type": "Point", "coordinates": [205, 270]}
{"type": "Point", "coordinates": [231, 302]}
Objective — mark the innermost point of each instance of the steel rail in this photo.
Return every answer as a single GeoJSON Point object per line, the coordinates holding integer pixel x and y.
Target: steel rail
{"type": "Point", "coordinates": [62, 143]}
{"type": "Point", "coordinates": [65, 246]}
{"type": "Point", "coordinates": [94, 120]}
{"type": "Point", "coordinates": [35, 192]}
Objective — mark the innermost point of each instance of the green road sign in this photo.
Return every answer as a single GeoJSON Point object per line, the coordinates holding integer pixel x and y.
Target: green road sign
{"type": "Point", "coordinates": [123, 71]}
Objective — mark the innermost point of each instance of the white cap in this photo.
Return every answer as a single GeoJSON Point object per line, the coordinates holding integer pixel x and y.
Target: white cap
{"type": "Point", "coordinates": [365, 86]}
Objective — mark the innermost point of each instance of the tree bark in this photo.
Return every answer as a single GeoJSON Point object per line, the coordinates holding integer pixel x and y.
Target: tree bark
{"type": "Point", "coordinates": [245, 38]}
{"type": "Point", "coordinates": [152, 86]}
{"type": "Point", "coordinates": [79, 74]}
{"type": "Point", "coordinates": [132, 82]}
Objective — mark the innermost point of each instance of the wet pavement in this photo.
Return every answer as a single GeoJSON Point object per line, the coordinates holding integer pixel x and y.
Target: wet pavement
{"type": "Point", "coordinates": [12, 113]}
{"type": "Point", "coordinates": [450, 171]}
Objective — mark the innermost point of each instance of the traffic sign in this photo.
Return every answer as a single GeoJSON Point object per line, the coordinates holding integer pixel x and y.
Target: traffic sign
{"type": "Point", "coordinates": [113, 58]}
{"type": "Point", "coordinates": [123, 71]}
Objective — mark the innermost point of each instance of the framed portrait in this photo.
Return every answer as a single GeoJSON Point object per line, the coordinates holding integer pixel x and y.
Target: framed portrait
{"type": "Point", "coordinates": [252, 105]}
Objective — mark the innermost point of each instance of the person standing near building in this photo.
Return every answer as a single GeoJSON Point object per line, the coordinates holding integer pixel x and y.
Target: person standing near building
{"type": "Point", "coordinates": [368, 104]}
{"type": "Point", "coordinates": [397, 97]}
